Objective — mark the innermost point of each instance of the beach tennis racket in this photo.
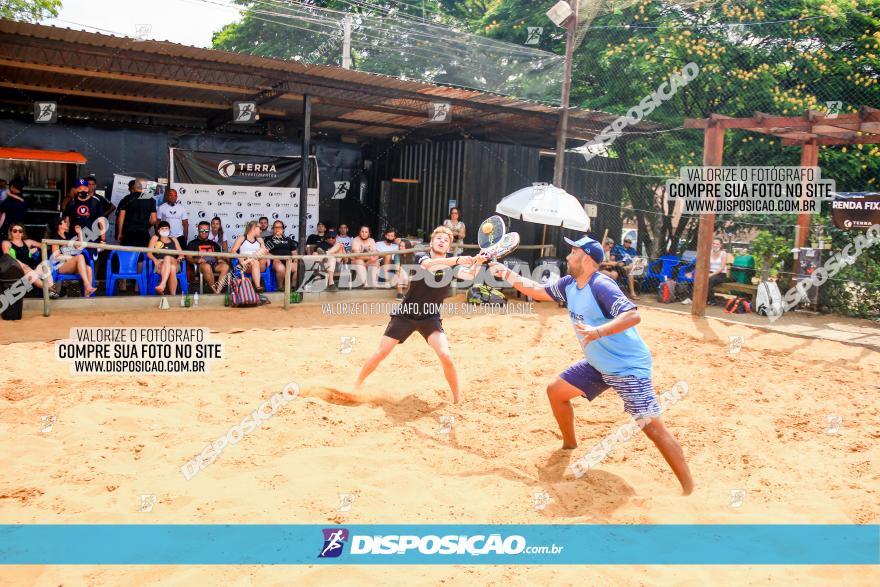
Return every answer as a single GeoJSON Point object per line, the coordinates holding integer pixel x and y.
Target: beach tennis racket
{"type": "Point", "coordinates": [506, 245]}
{"type": "Point", "coordinates": [495, 242]}
{"type": "Point", "coordinates": [491, 231]}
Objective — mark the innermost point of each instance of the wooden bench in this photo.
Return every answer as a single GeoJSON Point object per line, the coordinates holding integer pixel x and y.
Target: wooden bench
{"type": "Point", "coordinates": [732, 289]}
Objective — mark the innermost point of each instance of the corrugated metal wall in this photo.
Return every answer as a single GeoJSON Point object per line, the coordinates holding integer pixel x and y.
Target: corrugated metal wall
{"type": "Point", "coordinates": [439, 169]}
{"type": "Point", "coordinates": [476, 174]}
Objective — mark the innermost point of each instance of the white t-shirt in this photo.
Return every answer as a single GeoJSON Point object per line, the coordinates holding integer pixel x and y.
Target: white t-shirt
{"type": "Point", "coordinates": [174, 216]}
{"type": "Point", "coordinates": [383, 247]}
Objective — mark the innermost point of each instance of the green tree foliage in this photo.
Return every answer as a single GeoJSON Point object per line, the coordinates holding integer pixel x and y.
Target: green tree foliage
{"type": "Point", "coordinates": [271, 29]}
{"type": "Point", "coordinates": [781, 57]}
{"type": "Point", "coordinates": [29, 10]}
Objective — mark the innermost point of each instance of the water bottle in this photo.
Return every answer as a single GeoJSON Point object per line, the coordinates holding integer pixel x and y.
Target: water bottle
{"type": "Point", "coordinates": [226, 299]}
{"type": "Point", "coordinates": [195, 299]}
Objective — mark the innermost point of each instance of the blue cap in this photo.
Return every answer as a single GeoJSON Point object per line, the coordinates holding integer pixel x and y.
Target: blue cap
{"type": "Point", "coordinates": [82, 183]}
{"type": "Point", "coordinates": [590, 247]}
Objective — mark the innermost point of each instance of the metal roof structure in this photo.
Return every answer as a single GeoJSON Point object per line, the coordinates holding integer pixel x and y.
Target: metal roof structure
{"type": "Point", "coordinates": [119, 79]}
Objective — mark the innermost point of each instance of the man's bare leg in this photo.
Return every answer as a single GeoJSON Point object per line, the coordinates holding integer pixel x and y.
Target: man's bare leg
{"type": "Point", "coordinates": [560, 393]}
{"type": "Point", "coordinates": [632, 285]}
{"type": "Point", "coordinates": [440, 344]}
{"type": "Point", "coordinates": [386, 345]}
{"type": "Point", "coordinates": [671, 451]}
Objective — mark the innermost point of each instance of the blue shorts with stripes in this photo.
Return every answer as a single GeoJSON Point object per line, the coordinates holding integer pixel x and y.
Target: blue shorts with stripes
{"type": "Point", "coordinates": [639, 398]}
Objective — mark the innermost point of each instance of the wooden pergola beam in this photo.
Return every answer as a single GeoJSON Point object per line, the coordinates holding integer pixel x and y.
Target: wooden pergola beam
{"type": "Point", "coordinates": [859, 140]}
{"type": "Point", "coordinates": [761, 122]}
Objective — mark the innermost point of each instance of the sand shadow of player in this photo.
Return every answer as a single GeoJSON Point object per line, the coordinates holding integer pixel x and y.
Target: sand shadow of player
{"type": "Point", "coordinates": [407, 409]}
{"type": "Point", "coordinates": [597, 493]}
{"type": "Point", "coordinates": [399, 411]}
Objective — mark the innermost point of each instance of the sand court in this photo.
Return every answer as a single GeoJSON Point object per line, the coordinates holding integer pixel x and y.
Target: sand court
{"type": "Point", "coordinates": [784, 431]}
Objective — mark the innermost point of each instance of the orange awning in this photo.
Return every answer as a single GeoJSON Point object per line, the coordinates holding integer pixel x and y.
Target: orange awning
{"type": "Point", "coordinates": [41, 155]}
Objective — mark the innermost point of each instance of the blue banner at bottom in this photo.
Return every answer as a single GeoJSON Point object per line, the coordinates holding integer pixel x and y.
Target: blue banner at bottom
{"type": "Point", "coordinates": [203, 544]}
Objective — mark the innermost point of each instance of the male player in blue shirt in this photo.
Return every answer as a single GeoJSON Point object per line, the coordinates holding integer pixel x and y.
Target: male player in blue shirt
{"type": "Point", "coordinates": [615, 355]}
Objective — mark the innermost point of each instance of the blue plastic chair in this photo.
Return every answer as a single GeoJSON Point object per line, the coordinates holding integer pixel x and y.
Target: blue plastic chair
{"type": "Point", "coordinates": [153, 278]}
{"type": "Point", "coordinates": [61, 277]}
{"type": "Point", "coordinates": [267, 276]}
{"type": "Point", "coordinates": [667, 265]}
{"type": "Point", "coordinates": [128, 269]}
{"type": "Point", "coordinates": [689, 265]}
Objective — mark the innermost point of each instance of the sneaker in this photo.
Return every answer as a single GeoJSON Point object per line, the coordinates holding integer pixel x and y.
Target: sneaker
{"type": "Point", "coordinates": [333, 287]}
{"type": "Point", "coordinates": [399, 297]}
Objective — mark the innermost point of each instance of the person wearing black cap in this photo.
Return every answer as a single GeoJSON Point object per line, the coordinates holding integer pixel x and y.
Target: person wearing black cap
{"type": "Point", "coordinates": [14, 208]}
{"type": "Point", "coordinates": [84, 211]}
{"type": "Point", "coordinates": [615, 355]}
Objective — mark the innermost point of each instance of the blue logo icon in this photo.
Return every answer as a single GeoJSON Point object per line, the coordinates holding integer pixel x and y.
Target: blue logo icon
{"type": "Point", "coordinates": [334, 540]}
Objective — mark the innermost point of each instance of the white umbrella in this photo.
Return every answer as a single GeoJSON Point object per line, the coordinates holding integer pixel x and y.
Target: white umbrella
{"type": "Point", "coordinates": [542, 203]}
{"type": "Point", "coordinates": [546, 204]}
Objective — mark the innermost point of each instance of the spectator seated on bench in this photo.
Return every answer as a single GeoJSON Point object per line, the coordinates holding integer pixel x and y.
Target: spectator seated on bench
{"type": "Point", "coordinates": [329, 246]}
{"type": "Point", "coordinates": [206, 265]}
{"type": "Point", "coordinates": [367, 268]}
{"type": "Point", "coordinates": [615, 266]}
{"type": "Point", "coordinates": [280, 245]}
{"type": "Point", "coordinates": [388, 264]}
{"type": "Point", "coordinates": [251, 244]}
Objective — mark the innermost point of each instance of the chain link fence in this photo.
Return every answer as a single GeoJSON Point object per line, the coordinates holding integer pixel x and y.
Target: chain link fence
{"type": "Point", "coordinates": [785, 62]}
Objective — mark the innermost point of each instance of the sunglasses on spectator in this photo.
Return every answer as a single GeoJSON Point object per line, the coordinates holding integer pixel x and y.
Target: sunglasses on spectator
{"type": "Point", "coordinates": [201, 230]}
{"type": "Point", "coordinates": [14, 230]}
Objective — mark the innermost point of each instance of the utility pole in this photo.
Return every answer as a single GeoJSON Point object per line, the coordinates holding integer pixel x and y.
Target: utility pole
{"type": "Point", "coordinates": [571, 26]}
{"type": "Point", "coordinates": [346, 42]}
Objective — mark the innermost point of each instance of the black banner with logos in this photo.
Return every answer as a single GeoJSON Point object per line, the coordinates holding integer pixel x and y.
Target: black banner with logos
{"type": "Point", "coordinates": [856, 211]}
{"type": "Point", "coordinates": [207, 168]}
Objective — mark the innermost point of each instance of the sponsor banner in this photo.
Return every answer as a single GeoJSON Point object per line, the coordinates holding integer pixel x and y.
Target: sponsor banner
{"type": "Point", "coordinates": [855, 211]}
{"type": "Point", "coordinates": [615, 544]}
{"type": "Point", "coordinates": [203, 167]}
{"type": "Point", "coordinates": [235, 205]}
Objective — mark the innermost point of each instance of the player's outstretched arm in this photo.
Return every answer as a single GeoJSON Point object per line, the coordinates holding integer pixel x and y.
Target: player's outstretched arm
{"type": "Point", "coordinates": [533, 289]}
{"type": "Point", "coordinates": [439, 263]}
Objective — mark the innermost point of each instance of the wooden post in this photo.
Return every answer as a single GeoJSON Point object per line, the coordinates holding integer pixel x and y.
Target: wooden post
{"type": "Point", "coordinates": [44, 255]}
{"type": "Point", "coordinates": [809, 158]}
{"type": "Point", "coordinates": [713, 153]}
{"type": "Point", "coordinates": [287, 283]}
